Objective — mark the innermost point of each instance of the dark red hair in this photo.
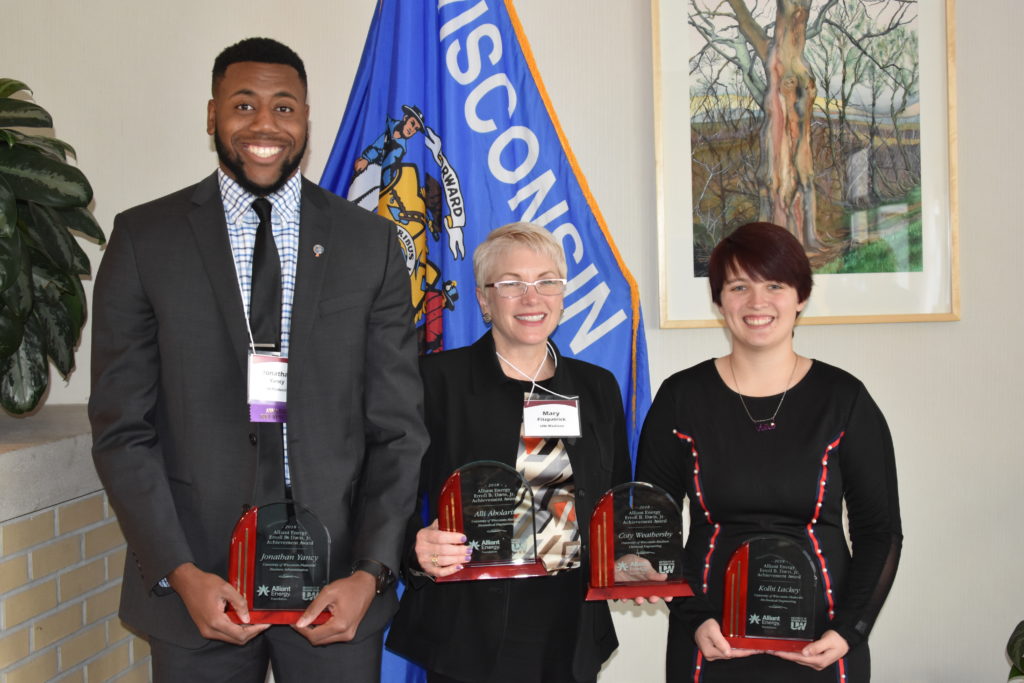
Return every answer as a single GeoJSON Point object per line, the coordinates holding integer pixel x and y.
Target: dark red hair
{"type": "Point", "coordinates": [764, 251]}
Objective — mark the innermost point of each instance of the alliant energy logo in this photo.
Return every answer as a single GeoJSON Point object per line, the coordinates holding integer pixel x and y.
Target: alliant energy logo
{"type": "Point", "coordinates": [766, 620]}
{"type": "Point", "coordinates": [490, 545]}
{"type": "Point", "coordinates": [274, 592]}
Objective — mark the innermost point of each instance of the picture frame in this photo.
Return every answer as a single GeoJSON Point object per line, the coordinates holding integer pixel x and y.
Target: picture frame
{"type": "Point", "coordinates": [925, 292]}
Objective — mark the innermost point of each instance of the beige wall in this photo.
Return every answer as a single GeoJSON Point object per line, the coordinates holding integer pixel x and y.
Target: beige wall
{"type": "Point", "coordinates": [127, 82]}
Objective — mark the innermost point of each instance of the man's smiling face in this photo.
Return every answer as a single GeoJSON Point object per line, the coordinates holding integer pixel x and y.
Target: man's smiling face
{"type": "Point", "coordinates": [260, 123]}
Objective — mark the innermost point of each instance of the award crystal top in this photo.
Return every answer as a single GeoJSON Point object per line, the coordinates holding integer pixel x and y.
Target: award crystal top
{"type": "Point", "coordinates": [280, 559]}
{"type": "Point", "coordinates": [492, 505]}
{"type": "Point", "coordinates": [636, 540]}
{"type": "Point", "coordinates": [771, 599]}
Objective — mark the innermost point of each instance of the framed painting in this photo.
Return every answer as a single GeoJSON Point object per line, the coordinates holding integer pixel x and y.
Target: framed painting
{"type": "Point", "coordinates": [847, 138]}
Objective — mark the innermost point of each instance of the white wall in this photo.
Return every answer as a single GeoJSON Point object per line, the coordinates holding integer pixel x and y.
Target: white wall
{"type": "Point", "coordinates": [127, 84]}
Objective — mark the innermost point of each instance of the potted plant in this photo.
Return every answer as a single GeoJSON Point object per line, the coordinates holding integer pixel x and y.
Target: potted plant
{"type": "Point", "coordinates": [1015, 651]}
{"type": "Point", "coordinates": [43, 206]}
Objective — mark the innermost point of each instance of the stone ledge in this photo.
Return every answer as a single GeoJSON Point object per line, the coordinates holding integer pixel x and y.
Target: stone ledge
{"type": "Point", "coordinates": [45, 459]}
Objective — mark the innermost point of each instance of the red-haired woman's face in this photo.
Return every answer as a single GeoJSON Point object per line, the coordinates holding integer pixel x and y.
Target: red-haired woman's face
{"type": "Point", "coordinates": [759, 313]}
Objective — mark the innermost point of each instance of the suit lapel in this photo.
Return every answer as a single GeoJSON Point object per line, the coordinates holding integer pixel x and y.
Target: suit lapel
{"type": "Point", "coordinates": [314, 230]}
{"type": "Point", "coordinates": [211, 234]}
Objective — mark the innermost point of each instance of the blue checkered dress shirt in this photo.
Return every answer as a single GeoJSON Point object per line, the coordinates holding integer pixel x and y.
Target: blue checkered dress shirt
{"type": "Point", "coordinates": [242, 222]}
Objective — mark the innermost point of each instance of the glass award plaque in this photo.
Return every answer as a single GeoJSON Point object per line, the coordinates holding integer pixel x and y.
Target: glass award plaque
{"type": "Point", "coordinates": [636, 542]}
{"type": "Point", "coordinates": [771, 599]}
{"type": "Point", "coordinates": [280, 559]}
{"type": "Point", "coordinates": [492, 505]}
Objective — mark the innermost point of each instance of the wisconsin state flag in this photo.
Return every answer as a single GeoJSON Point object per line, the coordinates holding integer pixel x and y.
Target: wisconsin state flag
{"type": "Point", "coordinates": [449, 134]}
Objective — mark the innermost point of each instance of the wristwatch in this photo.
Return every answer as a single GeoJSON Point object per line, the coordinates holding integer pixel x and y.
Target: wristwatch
{"type": "Point", "coordinates": [378, 571]}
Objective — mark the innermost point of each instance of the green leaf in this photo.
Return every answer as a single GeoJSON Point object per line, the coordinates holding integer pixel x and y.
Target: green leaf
{"type": "Point", "coordinates": [10, 259]}
{"type": "Point", "coordinates": [9, 86]}
{"type": "Point", "coordinates": [37, 177]}
{"type": "Point", "coordinates": [82, 221]}
{"type": "Point", "coordinates": [17, 299]}
{"type": "Point", "coordinates": [26, 374]}
{"type": "Point", "coordinates": [1015, 648]}
{"type": "Point", "coordinates": [23, 114]}
{"type": "Point", "coordinates": [74, 300]}
{"type": "Point", "coordinates": [62, 295]}
{"type": "Point", "coordinates": [54, 323]}
{"type": "Point", "coordinates": [48, 234]}
{"type": "Point", "coordinates": [11, 331]}
{"type": "Point", "coordinates": [54, 148]}
{"type": "Point", "coordinates": [8, 211]}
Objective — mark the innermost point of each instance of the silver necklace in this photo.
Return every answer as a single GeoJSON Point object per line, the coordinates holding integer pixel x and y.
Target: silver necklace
{"type": "Point", "coordinates": [768, 423]}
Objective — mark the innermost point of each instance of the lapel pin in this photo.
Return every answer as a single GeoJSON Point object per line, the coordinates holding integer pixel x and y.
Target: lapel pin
{"type": "Point", "coordinates": [317, 250]}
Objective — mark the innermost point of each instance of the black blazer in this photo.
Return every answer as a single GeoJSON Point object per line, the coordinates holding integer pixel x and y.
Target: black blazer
{"type": "Point", "coordinates": [474, 412]}
{"type": "Point", "coordinates": [172, 441]}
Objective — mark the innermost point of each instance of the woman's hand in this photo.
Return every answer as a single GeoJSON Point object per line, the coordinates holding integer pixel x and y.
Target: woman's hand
{"type": "Point", "coordinates": [820, 654]}
{"type": "Point", "coordinates": [441, 553]}
{"type": "Point", "coordinates": [713, 644]}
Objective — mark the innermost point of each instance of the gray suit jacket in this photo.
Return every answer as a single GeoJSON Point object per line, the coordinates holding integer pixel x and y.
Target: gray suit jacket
{"type": "Point", "coordinates": [172, 441]}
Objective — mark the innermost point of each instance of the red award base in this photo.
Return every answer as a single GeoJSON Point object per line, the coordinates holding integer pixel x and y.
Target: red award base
{"type": "Point", "coordinates": [640, 589]}
{"type": "Point", "coordinates": [496, 571]}
{"type": "Point", "coordinates": [241, 575]}
{"type": "Point", "coordinates": [734, 615]}
{"type": "Point", "coordinates": [276, 616]}
{"type": "Point", "coordinates": [767, 644]}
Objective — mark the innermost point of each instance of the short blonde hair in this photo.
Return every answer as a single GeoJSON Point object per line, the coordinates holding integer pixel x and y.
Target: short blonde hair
{"type": "Point", "coordinates": [529, 235]}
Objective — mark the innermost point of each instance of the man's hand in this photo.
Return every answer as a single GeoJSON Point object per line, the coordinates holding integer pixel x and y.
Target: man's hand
{"type": "Point", "coordinates": [206, 596]}
{"type": "Point", "coordinates": [820, 654]}
{"type": "Point", "coordinates": [347, 600]}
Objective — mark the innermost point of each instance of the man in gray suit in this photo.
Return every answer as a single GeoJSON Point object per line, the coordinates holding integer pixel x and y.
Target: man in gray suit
{"type": "Point", "coordinates": [180, 306]}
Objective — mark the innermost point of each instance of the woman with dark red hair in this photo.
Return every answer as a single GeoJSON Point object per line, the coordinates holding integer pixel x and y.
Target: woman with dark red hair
{"type": "Point", "coordinates": [768, 444]}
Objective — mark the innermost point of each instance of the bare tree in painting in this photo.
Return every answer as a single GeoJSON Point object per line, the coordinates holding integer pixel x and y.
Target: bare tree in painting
{"type": "Point", "coordinates": [766, 42]}
{"type": "Point", "coordinates": [724, 180]}
{"type": "Point", "coordinates": [905, 82]}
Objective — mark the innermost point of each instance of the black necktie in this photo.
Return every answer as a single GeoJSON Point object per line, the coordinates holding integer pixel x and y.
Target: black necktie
{"type": "Point", "coordinates": [265, 300]}
{"type": "Point", "coordinates": [265, 321]}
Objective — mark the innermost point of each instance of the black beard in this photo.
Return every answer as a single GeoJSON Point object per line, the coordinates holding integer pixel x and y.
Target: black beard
{"type": "Point", "coordinates": [234, 164]}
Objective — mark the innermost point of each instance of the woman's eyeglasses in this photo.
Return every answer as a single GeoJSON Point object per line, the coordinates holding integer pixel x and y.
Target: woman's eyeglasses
{"type": "Point", "coordinates": [513, 289]}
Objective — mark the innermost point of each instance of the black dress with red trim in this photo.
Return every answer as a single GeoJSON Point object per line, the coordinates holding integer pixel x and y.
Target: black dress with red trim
{"type": "Point", "coordinates": [830, 444]}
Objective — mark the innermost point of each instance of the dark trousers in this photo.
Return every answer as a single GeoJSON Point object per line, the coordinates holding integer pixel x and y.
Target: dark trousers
{"type": "Point", "coordinates": [291, 657]}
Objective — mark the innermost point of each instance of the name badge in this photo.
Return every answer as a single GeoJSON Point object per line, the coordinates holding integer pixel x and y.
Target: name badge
{"type": "Point", "coordinates": [268, 388]}
{"type": "Point", "coordinates": [551, 417]}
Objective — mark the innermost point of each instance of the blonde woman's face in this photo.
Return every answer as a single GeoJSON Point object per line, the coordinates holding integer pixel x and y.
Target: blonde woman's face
{"type": "Point", "coordinates": [527, 320]}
